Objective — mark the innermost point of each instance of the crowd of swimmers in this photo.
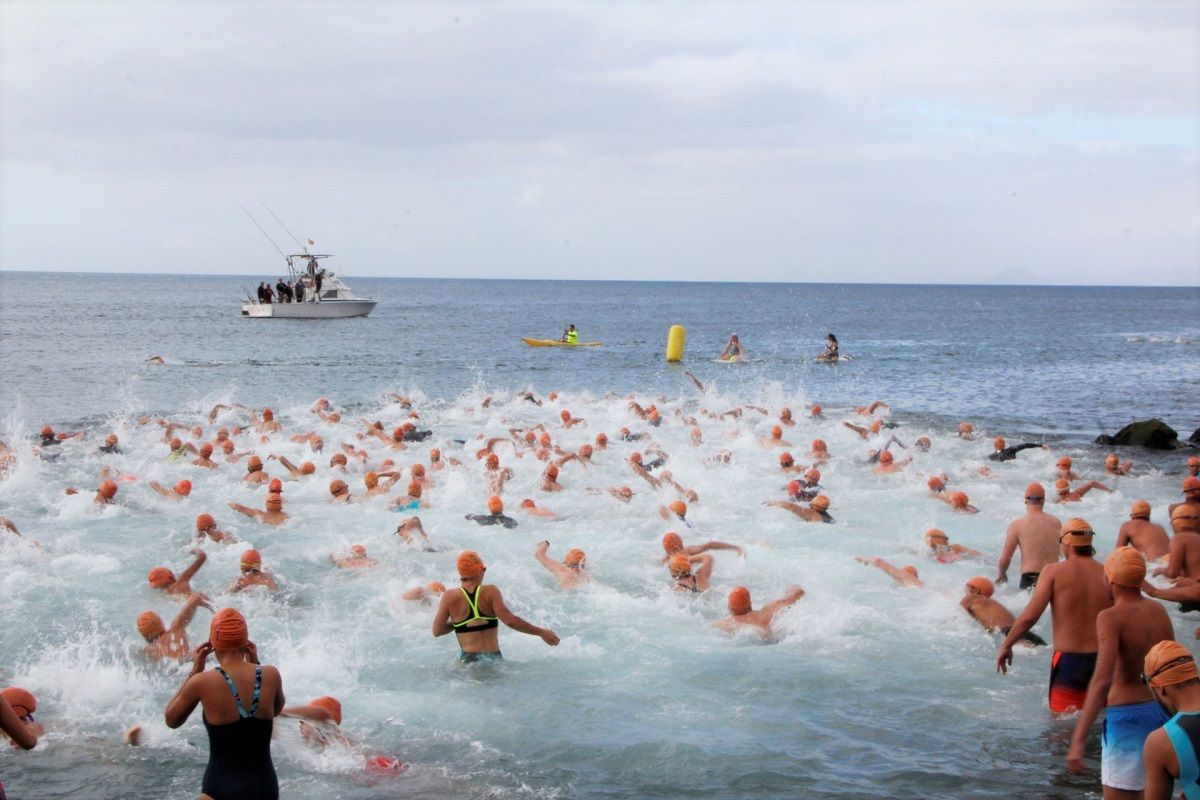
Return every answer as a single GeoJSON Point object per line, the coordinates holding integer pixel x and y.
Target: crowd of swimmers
{"type": "Point", "coordinates": [1114, 649]}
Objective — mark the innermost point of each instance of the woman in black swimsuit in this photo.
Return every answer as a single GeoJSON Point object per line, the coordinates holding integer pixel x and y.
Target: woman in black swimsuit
{"type": "Point", "coordinates": [240, 699]}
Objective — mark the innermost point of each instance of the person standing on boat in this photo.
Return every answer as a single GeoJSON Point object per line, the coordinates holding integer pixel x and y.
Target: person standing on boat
{"type": "Point", "coordinates": [268, 293]}
{"type": "Point", "coordinates": [318, 278]}
{"type": "Point", "coordinates": [299, 290]}
{"type": "Point", "coordinates": [262, 292]}
{"type": "Point", "coordinates": [570, 335]}
{"type": "Point", "coordinates": [283, 290]}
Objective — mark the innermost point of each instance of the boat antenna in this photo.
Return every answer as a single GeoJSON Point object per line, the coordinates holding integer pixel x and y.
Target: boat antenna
{"type": "Point", "coordinates": [264, 233]}
{"type": "Point", "coordinates": [289, 233]}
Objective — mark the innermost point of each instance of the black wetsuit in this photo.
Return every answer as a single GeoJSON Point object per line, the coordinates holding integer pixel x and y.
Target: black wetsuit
{"type": "Point", "coordinates": [239, 753]}
{"type": "Point", "coordinates": [1029, 580]}
{"type": "Point", "coordinates": [416, 436]}
{"type": "Point", "coordinates": [49, 441]}
{"type": "Point", "coordinates": [658, 462]}
{"type": "Point", "coordinates": [1009, 453]}
{"type": "Point", "coordinates": [299, 291]}
{"type": "Point", "coordinates": [825, 517]}
{"type": "Point", "coordinates": [1028, 636]}
{"type": "Point", "coordinates": [492, 519]}
{"type": "Point", "coordinates": [111, 449]}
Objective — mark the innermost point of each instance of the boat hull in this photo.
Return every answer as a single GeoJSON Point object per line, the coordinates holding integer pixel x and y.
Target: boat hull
{"type": "Point", "coordinates": [326, 309]}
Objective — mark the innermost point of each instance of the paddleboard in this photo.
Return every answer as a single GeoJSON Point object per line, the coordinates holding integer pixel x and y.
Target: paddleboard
{"type": "Point", "coordinates": [833, 361]}
{"type": "Point", "coordinates": [732, 360]}
{"type": "Point", "coordinates": [557, 343]}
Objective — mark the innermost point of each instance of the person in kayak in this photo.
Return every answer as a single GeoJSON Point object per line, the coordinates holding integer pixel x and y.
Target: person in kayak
{"type": "Point", "coordinates": [733, 350]}
{"type": "Point", "coordinates": [570, 335]}
{"type": "Point", "coordinates": [831, 349]}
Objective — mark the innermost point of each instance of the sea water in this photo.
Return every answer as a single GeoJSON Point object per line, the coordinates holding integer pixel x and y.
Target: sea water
{"type": "Point", "coordinates": [867, 690]}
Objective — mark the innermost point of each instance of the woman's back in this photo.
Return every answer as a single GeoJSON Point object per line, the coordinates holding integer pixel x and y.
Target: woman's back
{"type": "Point", "coordinates": [239, 701]}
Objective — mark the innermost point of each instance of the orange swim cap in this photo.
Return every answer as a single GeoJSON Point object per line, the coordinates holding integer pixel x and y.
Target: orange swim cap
{"type": "Point", "coordinates": [1140, 510]}
{"type": "Point", "coordinates": [680, 563]}
{"type": "Point", "coordinates": [777, 432]}
{"type": "Point", "coordinates": [924, 441]}
{"type": "Point", "coordinates": [635, 457]}
{"type": "Point", "coordinates": [338, 458]}
{"type": "Point", "coordinates": [786, 460]}
{"type": "Point", "coordinates": [574, 557]}
{"type": "Point", "coordinates": [397, 434]}
{"type": "Point", "coordinates": [160, 577]}
{"type": "Point", "coordinates": [936, 534]}
{"type": "Point", "coordinates": [812, 475]}
{"type": "Point", "coordinates": [1182, 664]}
{"type": "Point", "coordinates": [469, 564]}
{"type": "Point", "coordinates": [586, 451]}
{"type": "Point", "coordinates": [251, 558]}
{"type": "Point", "coordinates": [998, 443]}
{"type": "Point", "coordinates": [1193, 461]}
{"type": "Point", "coordinates": [528, 503]}
{"type": "Point", "coordinates": [739, 601]}
{"type": "Point", "coordinates": [911, 570]}
{"type": "Point", "coordinates": [965, 427]}
{"type": "Point", "coordinates": [1077, 531]}
{"type": "Point", "coordinates": [370, 480]}
{"type": "Point", "coordinates": [876, 426]}
{"type": "Point", "coordinates": [434, 455]}
{"type": "Point", "coordinates": [493, 461]}
{"type": "Point", "coordinates": [205, 521]}
{"type": "Point", "coordinates": [959, 499]}
{"type": "Point", "coordinates": [108, 490]}
{"type": "Point", "coordinates": [816, 409]}
{"type": "Point", "coordinates": [275, 486]}
{"type": "Point", "coordinates": [337, 486]}
{"type": "Point", "coordinates": [111, 439]}
{"type": "Point", "coordinates": [184, 487]}
{"type": "Point", "coordinates": [176, 443]}
{"type": "Point", "coordinates": [1182, 511]}
{"type": "Point", "coordinates": [602, 439]}
{"type": "Point", "coordinates": [358, 550]}
{"type": "Point", "coordinates": [821, 502]}
{"type": "Point", "coordinates": [414, 489]}
{"type": "Point", "coordinates": [672, 542]}
{"type": "Point", "coordinates": [818, 445]}
{"type": "Point", "coordinates": [1062, 486]}
{"type": "Point", "coordinates": [530, 437]}
{"type": "Point", "coordinates": [21, 700]}
{"type": "Point", "coordinates": [544, 439]}
{"type": "Point", "coordinates": [222, 434]}
{"type": "Point", "coordinates": [331, 705]}
{"type": "Point", "coordinates": [885, 457]}
{"type": "Point", "coordinates": [565, 414]}
{"type": "Point", "coordinates": [206, 450]}
{"type": "Point", "coordinates": [679, 508]}
{"type": "Point", "coordinates": [1064, 462]}
{"type": "Point", "coordinates": [316, 443]}
{"type": "Point", "coordinates": [935, 484]}
{"type": "Point", "coordinates": [150, 625]}
{"type": "Point", "coordinates": [552, 471]}
{"type": "Point", "coordinates": [981, 584]}
{"type": "Point", "coordinates": [418, 470]}
{"type": "Point", "coordinates": [1035, 489]}
{"type": "Point", "coordinates": [274, 502]}
{"type": "Point", "coordinates": [227, 446]}
{"type": "Point", "coordinates": [47, 430]}
{"type": "Point", "coordinates": [793, 487]}
{"type": "Point", "coordinates": [1111, 460]}
{"type": "Point", "coordinates": [197, 431]}
{"type": "Point", "coordinates": [268, 414]}
{"type": "Point", "coordinates": [228, 630]}
{"type": "Point", "coordinates": [495, 505]}
{"type": "Point", "coordinates": [437, 587]}
{"type": "Point", "coordinates": [308, 468]}
{"type": "Point", "coordinates": [1125, 566]}
{"type": "Point", "coordinates": [254, 464]}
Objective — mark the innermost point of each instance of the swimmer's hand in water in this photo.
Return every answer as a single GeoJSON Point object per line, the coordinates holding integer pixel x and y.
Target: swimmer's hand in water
{"type": "Point", "coordinates": [1004, 660]}
{"type": "Point", "coordinates": [549, 637]}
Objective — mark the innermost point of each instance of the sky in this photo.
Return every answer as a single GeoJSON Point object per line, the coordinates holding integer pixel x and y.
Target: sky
{"type": "Point", "coordinates": [900, 142]}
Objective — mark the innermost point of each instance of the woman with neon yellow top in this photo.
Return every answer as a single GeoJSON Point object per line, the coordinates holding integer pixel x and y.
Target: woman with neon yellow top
{"type": "Point", "coordinates": [474, 612]}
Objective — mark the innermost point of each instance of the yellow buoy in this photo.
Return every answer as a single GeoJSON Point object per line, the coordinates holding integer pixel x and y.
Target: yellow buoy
{"type": "Point", "coordinates": [675, 341]}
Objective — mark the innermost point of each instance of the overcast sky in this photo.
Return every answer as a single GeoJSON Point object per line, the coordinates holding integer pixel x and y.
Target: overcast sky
{"type": "Point", "coordinates": [1012, 142]}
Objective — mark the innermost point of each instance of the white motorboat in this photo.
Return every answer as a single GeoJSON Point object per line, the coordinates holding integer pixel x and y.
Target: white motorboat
{"type": "Point", "coordinates": [325, 295]}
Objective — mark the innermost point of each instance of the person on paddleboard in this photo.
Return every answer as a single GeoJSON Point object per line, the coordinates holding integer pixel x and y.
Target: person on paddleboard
{"type": "Point", "coordinates": [570, 335]}
{"type": "Point", "coordinates": [733, 350]}
{"type": "Point", "coordinates": [831, 349]}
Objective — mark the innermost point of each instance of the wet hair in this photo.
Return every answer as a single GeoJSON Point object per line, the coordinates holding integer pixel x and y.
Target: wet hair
{"type": "Point", "coordinates": [1084, 550]}
{"type": "Point", "coordinates": [832, 338]}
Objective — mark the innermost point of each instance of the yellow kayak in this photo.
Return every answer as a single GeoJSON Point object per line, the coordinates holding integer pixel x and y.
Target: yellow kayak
{"type": "Point", "coordinates": [557, 343]}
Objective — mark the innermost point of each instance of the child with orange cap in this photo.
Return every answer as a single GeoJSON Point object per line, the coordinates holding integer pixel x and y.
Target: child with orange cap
{"type": "Point", "coordinates": [474, 611]}
{"type": "Point", "coordinates": [495, 515]}
{"type": "Point", "coordinates": [742, 612]}
{"type": "Point", "coordinates": [163, 642]}
{"type": "Point", "coordinates": [163, 579]}
{"type": "Point", "coordinates": [570, 571]}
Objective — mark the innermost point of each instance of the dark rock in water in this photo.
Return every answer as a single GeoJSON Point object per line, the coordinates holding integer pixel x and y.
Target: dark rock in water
{"type": "Point", "coordinates": [1195, 437]}
{"type": "Point", "coordinates": [1151, 433]}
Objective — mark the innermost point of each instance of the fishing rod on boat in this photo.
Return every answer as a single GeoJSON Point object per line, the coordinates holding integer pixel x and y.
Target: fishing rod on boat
{"type": "Point", "coordinates": [264, 233]}
{"type": "Point", "coordinates": [285, 227]}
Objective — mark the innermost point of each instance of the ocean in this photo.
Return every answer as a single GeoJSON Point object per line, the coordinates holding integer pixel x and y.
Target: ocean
{"type": "Point", "coordinates": [867, 690]}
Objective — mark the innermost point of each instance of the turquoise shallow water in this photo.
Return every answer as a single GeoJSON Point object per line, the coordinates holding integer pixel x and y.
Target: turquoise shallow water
{"type": "Point", "coordinates": [870, 691]}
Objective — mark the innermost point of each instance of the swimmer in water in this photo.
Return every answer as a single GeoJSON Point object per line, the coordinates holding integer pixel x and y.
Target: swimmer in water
{"type": "Point", "coordinates": [163, 642]}
{"type": "Point", "coordinates": [959, 501]}
{"type": "Point", "coordinates": [1114, 466]}
{"type": "Point", "coordinates": [268, 424]}
{"type": "Point", "coordinates": [820, 452]}
{"type": "Point", "coordinates": [379, 483]}
{"type": "Point", "coordinates": [411, 501]}
{"type": "Point", "coordinates": [474, 611]}
{"type": "Point", "coordinates": [206, 528]}
{"type": "Point", "coordinates": [1064, 469]}
{"type": "Point", "coordinates": [163, 579]}
{"type": "Point", "coordinates": [496, 475]}
{"type": "Point", "coordinates": [888, 464]}
{"type": "Point", "coordinates": [978, 602]}
{"type": "Point", "coordinates": [1002, 452]}
{"type": "Point", "coordinates": [687, 579]}
{"type": "Point", "coordinates": [1036, 534]}
{"type": "Point", "coordinates": [787, 463]}
{"type": "Point", "coordinates": [1138, 531]}
{"type": "Point", "coordinates": [304, 470]}
{"type": "Point", "coordinates": [734, 351]}
{"type": "Point", "coordinates": [355, 559]}
{"type": "Point", "coordinates": [570, 572]}
{"type": "Point", "coordinates": [530, 507]}
{"type": "Point", "coordinates": [690, 494]}
{"type": "Point", "coordinates": [204, 457]}
{"type": "Point", "coordinates": [1193, 466]}
{"type": "Point", "coordinates": [1068, 495]}
{"type": "Point", "coordinates": [156, 360]}
{"type": "Point", "coordinates": [105, 495]}
{"type": "Point", "coordinates": [406, 529]}
{"type": "Point", "coordinates": [635, 463]}
{"type": "Point", "coordinates": [831, 349]}
{"type": "Point", "coordinates": [1191, 495]}
{"type": "Point", "coordinates": [676, 510]}
{"type": "Point", "coordinates": [495, 515]}
{"type": "Point", "coordinates": [254, 472]}
{"type": "Point", "coordinates": [923, 444]}
{"type": "Point", "coordinates": [673, 545]}
{"type": "Point", "coordinates": [816, 511]}
{"type": "Point", "coordinates": [111, 445]}
{"type": "Point", "coordinates": [906, 576]}
{"type": "Point", "coordinates": [16, 717]}
{"type": "Point", "coordinates": [939, 545]}
{"type": "Point", "coordinates": [742, 613]}
{"type": "Point", "coordinates": [179, 492]}
{"type": "Point", "coordinates": [424, 594]}
{"type": "Point", "coordinates": [569, 421]}
{"type": "Point", "coordinates": [339, 492]}
{"type": "Point", "coordinates": [1184, 555]}
{"type": "Point", "coordinates": [320, 721]}
{"type": "Point", "coordinates": [253, 573]}
{"type": "Point", "coordinates": [966, 430]}
{"type": "Point", "coordinates": [550, 479]}
{"type": "Point", "coordinates": [273, 515]}
{"type": "Point", "coordinates": [775, 439]}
